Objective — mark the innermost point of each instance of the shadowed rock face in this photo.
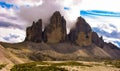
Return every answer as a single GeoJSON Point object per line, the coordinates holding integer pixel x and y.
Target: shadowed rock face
{"type": "Point", "coordinates": [81, 34]}
{"type": "Point", "coordinates": [55, 32]}
{"type": "Point", "coordinates": [34, 32]}
{"type": "Point", "coordinates": [97, 40]}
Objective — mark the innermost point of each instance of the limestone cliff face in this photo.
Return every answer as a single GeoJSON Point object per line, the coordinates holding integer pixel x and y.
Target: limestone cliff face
{"type": "Point", "coordinates": [55, 32]}
{"type": "Point", "coordinates": [81, 34]}
{"type": "Point", "coordinates": [34, 32]}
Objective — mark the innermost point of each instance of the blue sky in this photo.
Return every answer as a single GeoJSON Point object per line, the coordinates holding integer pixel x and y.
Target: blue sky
{"type": "Point", "coordinates": [103, 16]}
{"type": "Point", "coordinates": [6, 5]}
{"type": "Point", "coordinates": [99, 13]}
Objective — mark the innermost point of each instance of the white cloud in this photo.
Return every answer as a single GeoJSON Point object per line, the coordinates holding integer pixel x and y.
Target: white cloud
{"type": "Point", "coordinates": [24, 2]}
{"type": "Point", "coordinates": [13, 31]}
{"type": "Point", "coordinates": [109, 5]}
{"type": "Point", "coordinates": [32, 10]}
{"type": "Point", "coordinates": [112, 40]}
{"type": "Point", "coordinates": [104, 23]}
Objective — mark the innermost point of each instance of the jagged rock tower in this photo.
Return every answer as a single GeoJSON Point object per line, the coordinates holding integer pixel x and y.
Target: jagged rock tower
{"type": "Point", "coordinates": [81, 34]}
{"type": "Point", "coordinates": [34, 33]}
{"type": "Point", "coordinates": [55, 32]}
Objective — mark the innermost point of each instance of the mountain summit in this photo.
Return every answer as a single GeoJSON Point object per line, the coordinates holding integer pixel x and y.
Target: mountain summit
{"type": "Point", "coordinates": [81, 34]}
{"type": "Point", "coordinates": [55, 32]}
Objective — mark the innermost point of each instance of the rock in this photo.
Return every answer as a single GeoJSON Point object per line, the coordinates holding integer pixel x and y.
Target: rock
{"type": "Point", "coordinates": [34, 32]}
{"type": "Point", "coordinates": [97, 40]}
{"type": "Point", "coordinates": [55, 32]}
{"type": "Point", "coordinates": [81, 34]}
{"type": "Point", "coordinates": [112, 46]}
{"type": "Point", "coordinates": [112, 50]}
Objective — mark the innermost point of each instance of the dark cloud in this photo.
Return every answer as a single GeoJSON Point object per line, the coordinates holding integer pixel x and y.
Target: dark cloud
{"type": "Point", "coordinates": [43, 11]}
{"type": "Point", "coordinates": [68, 8]}
{"type": "Point", "coordinates": [8, 17]}
{"type": "Point", "coordinates": [8, 24]}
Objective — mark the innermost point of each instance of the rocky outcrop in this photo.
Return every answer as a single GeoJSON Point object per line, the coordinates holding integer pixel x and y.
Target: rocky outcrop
{"type": "Point", "coordinates": [112, 46]}
{"type": "Point", "coordinates": [97, 40]}
{"type": "Point", "coordinates": [55, 32]}
{"type": "Point", "coordinates": [81, 34]}
{"type": "Point", "coordinates": [34, 32]}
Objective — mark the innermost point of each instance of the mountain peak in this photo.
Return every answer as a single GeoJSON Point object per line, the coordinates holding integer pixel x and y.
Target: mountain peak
{"type": "Point", "coordinates": [34, 32]}
{"type": "Point", "coordinates": [56, 13]}
{"type": "Point", "coordinates": [55, 32]}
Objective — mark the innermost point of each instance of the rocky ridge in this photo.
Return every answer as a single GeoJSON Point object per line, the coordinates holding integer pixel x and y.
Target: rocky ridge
{"type": "Point", "coordinates": [55, 32]}
{"type": "Point", "coordinates": [53, 43]}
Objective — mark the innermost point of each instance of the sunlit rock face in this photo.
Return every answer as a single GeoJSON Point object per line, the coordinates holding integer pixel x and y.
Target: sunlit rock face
{"type": "Point", "coordinates": [81, 34]}
{"type": "Point", "coordinates": [34, 32]}
{"type": "Point", "coordinates": [55, 32]}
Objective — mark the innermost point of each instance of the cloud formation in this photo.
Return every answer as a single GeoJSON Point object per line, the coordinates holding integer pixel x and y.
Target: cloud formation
{"type": "Point", "coordinates": [16, 15]}
{"type": "Point", "coordinates": [12, 35]}
{"type": "Point", "coordinates": [46, 9]}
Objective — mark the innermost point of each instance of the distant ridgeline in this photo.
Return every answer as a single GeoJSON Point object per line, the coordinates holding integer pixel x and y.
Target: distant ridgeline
{"type": "Point", "coordinates": [55, 32]}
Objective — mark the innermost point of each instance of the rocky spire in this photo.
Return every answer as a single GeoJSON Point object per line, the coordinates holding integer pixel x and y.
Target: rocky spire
{"type": "Point", "coordinates": [56, 31]}
{"type": "Point", "coordinates": [81, 34]}
{"type": "Point", "coordinates": [34, 32]}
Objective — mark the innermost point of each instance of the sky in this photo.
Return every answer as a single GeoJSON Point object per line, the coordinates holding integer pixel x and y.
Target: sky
{"type": "Point", "coordinates": [102, 15]}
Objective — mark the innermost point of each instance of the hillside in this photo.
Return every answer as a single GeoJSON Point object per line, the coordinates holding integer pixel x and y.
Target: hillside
{"type": "Point", "coordinates": [8, 58]}
{"type": "Point", "coordinates": [54, 44]}
{"type": "Point", "coordinates": [61, 51]}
